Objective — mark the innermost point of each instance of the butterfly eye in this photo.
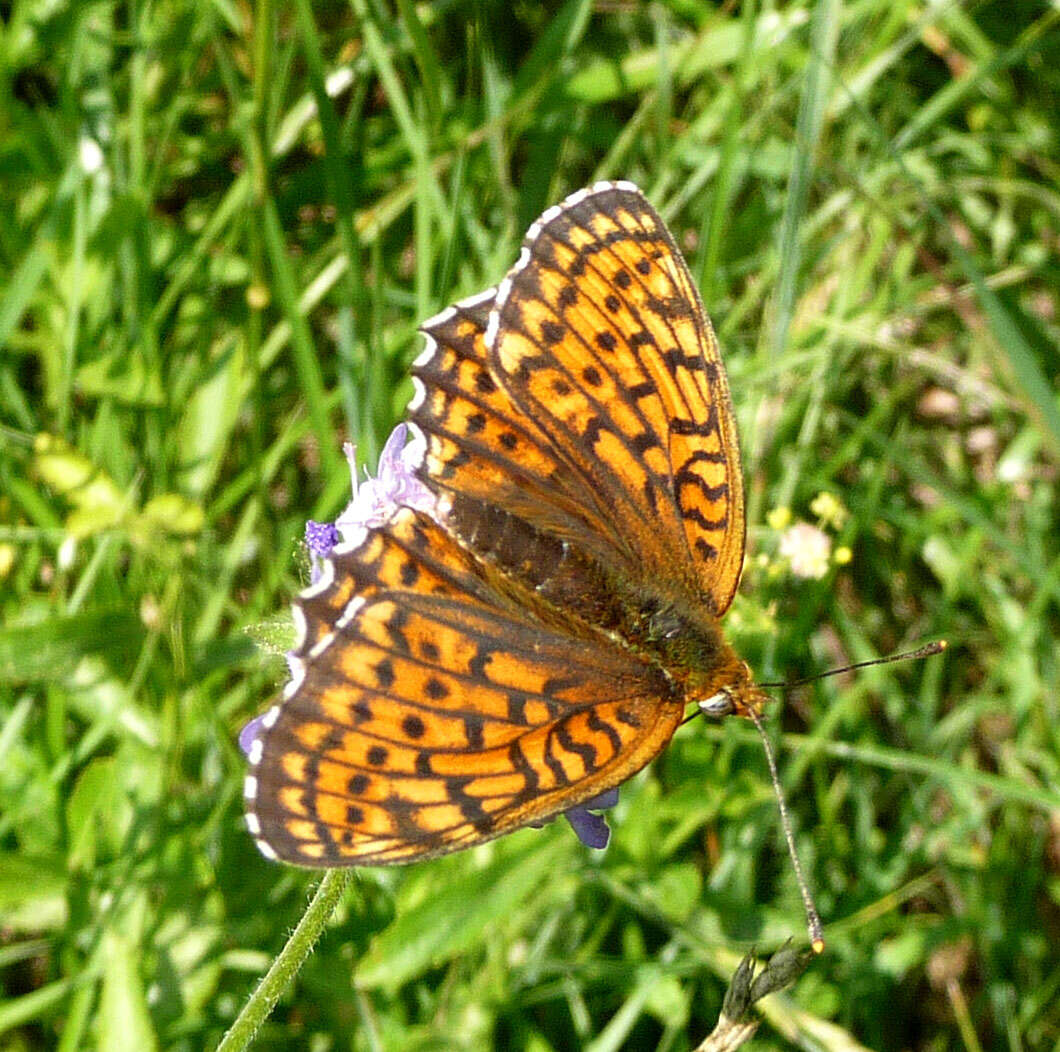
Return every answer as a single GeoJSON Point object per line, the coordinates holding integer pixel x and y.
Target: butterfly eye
{"type": "Point", "coordinates": [719, 704]}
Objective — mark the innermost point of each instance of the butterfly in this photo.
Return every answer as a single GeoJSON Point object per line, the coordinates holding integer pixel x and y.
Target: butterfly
{"type": "Point", "coordinates": [522, 627]}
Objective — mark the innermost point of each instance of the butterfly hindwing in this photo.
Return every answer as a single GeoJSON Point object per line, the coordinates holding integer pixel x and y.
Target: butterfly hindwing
{"type": "Point", "coordinates": [441, 714]}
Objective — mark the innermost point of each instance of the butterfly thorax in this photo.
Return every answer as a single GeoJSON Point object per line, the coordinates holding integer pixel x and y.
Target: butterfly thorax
{"type": "Point", "coordinates": [690, 646]}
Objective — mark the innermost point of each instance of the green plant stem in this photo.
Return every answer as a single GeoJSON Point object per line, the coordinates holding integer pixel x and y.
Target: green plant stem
{"type": "Point", "coordinates": [807, 135]}
{"type": "Point", "coordinates": [288, 962]}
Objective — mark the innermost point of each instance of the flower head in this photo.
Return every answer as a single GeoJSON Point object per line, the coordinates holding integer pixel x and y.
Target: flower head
{"type": "Point", "coordinates": [375, 499]}
{"type": "Point", "coordinates": [829, 510]}
{"type": "Point", "coordinates": [395, 485]}
{"type": "Point", "coordinates": [591, 828]}
{"type": "Point", "coordinates": [778, 518]}
{"type": "Point", "coordinates": [807, 550]}
{"type": "Point", "coordinates": [320, 538]}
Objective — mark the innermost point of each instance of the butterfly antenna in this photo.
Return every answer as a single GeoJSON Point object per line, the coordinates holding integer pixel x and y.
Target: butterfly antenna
{"type": "Point", "coordinates": [813, 919]}
{"type": "Point", "coordinates": [910, 655]}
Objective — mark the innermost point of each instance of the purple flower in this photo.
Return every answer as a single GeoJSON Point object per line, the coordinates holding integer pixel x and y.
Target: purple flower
{"type": "Point", "coordinates": [250, 733]}
{"type": "Point", "coordinates": [320, 538]}
{"type": "Point", "coordinates": [394, 486]}
{"type": "Point", "coordinates": [591, 828]}
{"type": "Point", "coordinates": [374, 499]}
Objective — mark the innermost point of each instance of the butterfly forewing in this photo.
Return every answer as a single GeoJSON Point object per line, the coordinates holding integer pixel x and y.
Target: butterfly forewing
{"type": "Point", "coordinates": [439, 715]}
{"type": "Point", "coordinates": [599, 336]}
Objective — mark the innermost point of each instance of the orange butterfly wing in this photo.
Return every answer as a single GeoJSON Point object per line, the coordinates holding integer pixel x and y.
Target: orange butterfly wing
{"type": "Point", "coordinates": [599, 336]}
{"type": "Point", "coordinates": [437, 713]}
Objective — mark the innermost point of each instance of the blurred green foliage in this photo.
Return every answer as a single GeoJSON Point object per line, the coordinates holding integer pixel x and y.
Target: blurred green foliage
{"type": "Point", "coordinates": [219, 226]}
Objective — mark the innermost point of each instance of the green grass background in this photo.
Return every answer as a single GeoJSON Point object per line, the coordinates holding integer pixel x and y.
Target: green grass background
{"type": "Point", "coordinates": [219, 226]}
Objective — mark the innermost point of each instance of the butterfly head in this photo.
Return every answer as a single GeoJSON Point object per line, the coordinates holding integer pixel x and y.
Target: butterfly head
{"type": "Point", "coordinates": [740, 696]}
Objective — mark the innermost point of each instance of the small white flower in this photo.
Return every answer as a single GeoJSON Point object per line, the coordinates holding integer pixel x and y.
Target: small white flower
{"type": "Point", "coordinates": [67, 553]}
{"type": "Point", "coordinates": [89, 155]}
{"type": "Point", "coordinates": [807, 549]}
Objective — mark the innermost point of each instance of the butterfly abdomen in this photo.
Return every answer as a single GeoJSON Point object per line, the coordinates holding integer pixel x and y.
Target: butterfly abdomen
{"type": "Point", "coordinates": [541, 569]}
